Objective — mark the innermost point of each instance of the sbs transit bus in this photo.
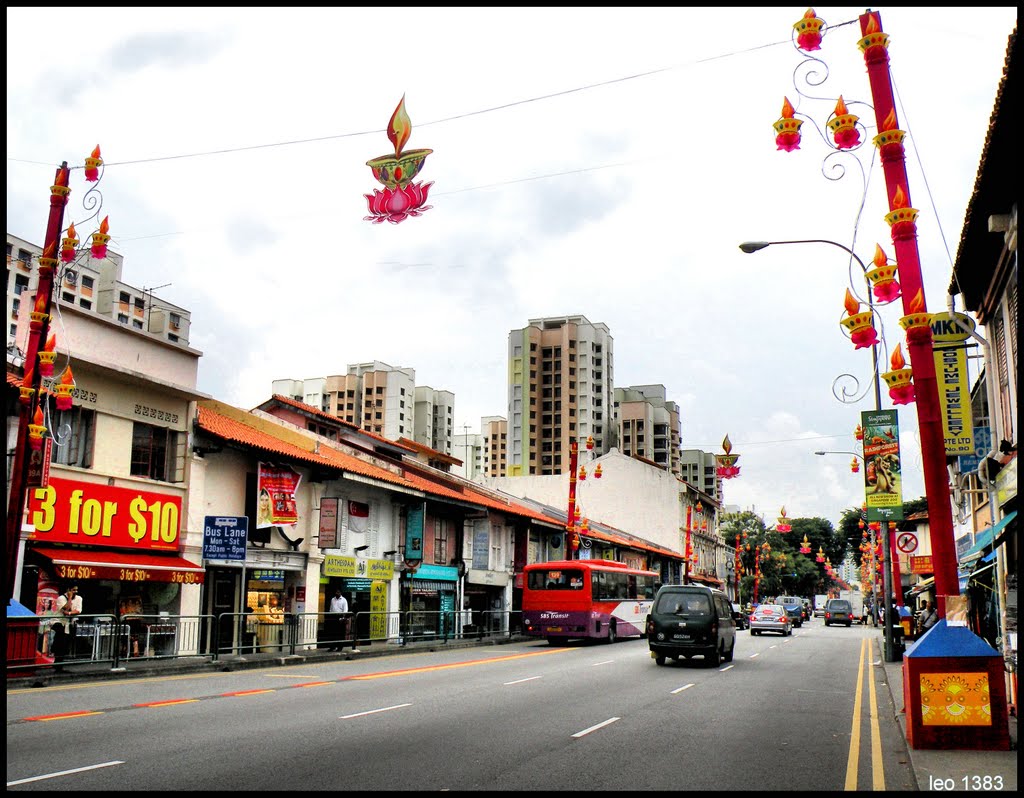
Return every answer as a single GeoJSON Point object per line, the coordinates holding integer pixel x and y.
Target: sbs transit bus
{"type": "Point", "coordinates": [571, 599]}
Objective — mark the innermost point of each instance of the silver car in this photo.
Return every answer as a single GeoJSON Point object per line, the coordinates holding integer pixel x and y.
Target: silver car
{"type": "Point", "coordinates": [771, 618]}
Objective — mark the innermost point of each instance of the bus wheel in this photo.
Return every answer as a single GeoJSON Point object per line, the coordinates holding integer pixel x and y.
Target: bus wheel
{"type": "Point", "coordinates": [660, 660]}
{"type": "Point", "coordinates": [612, 635]}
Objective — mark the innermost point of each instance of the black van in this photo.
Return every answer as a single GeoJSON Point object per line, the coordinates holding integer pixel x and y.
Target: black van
{"type": "Point", "coordinates": [691, 619]}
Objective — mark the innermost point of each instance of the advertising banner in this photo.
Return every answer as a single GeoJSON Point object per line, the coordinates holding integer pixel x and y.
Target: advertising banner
{"type": "Point", "coordinates": [414, 532]}
{"type": "Point", "coordinates": [275, 503]}
{"type": "Point", "coordinates": [328, 523]}
{"type": "Point", "coordinates": [97, 514]}
{"type": "Point", "coordinates": [950, 352]}
{"type": "Point", "coordinates": [883, 481]}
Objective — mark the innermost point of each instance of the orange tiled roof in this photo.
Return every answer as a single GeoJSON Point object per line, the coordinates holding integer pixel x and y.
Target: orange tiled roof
{"type": "Point", "coordinates": [316, 411]}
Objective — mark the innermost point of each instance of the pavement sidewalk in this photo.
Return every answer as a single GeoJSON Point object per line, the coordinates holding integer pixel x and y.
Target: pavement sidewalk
{"type": "Point", "coordinates": [959, 770]}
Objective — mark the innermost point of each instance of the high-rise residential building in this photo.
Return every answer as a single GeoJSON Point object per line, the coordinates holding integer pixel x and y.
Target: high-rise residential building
{"type": "Point", "coordinates": [483, 453]}
{"type": "Point", "coordinates": [559, 391]}
{"type": "Point", "coordinates": [381, 399]}
{"type": "Point", "coordinates": [648, 425]}
{"type": "Point", "coordinates": [700, 469]}
{"type": "Point", "coordinates": [93, 285]}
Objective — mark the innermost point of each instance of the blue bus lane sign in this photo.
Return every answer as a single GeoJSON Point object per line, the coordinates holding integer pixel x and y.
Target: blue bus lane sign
{"type": "Point", "coordinates": [224, 537]}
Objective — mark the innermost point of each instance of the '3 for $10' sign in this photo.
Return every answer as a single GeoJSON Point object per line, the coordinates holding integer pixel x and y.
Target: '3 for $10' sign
{"type": "Point", "coordinates": [69, 511]}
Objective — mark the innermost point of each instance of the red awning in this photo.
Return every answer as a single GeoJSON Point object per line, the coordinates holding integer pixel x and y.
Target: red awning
{"type": "Point", "coordinates": [122, 566]}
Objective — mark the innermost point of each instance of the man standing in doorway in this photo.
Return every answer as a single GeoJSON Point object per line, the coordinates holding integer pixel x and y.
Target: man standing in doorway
{"type": "Point", "coordinates": [338, 626]}
{"type": "Point", "coordinates": [69, 607]}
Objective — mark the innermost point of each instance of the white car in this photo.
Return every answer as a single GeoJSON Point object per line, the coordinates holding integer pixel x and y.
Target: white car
{"type": "Point", "coordinates": [771, 618]}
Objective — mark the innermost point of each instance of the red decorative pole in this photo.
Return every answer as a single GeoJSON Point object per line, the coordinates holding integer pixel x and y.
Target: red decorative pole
{"type": "Point", "coordinates": [901, 218]}
{"type": "Point", "coordinates": [36, 342]}
{"type": "Point", "coordinates": [571, 541]}
{"type": "Point", "coordinates": [686, 546]}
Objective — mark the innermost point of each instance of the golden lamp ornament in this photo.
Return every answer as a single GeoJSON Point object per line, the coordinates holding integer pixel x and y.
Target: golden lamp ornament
{"type": "Point", "coordinates": [844, 127]}
{"type": "Point", "coordinates": [38, 316]}
{"type": "Point", "coordinates": [917, 323]}
{"type": "Point", "coordinates": [859, 433]}
{"type": "Point", "coordinates": [787, 129]}
{"type": "Point", "coordinates": [69, 244]}
{"type": "Point", "coordinates": [92, 165]}
{"type": "Point", "coordinates": [873, 37]}
{"type": "Point", "coordinates": [901, 219]}
{"type": "Point", "coordinates": [808, 31]}
{"type": "Point", "coordinates": [36, 430]}
{"type": "Point", "coordinates": [900, 379]}
{"type": "Point", "coordinates": [805, 546]}
{"type": "Point", "coordinates": [783, 525]}
{"type": "Point", "coordinates": [726, 463]}
{"type": "Point", "coordinates": [890, 141]}
{"type": "Point", "coordinates": [47, 261]}
{"type": "Point", "coordinates": [47, 355]}
{"type": "Point", "coordinates": [401, 198]}
{"type": "Point", "coordinates": [62, 390]}
{"type": "Point", "coordinates": [859, 324]}
{"type": "Point", "coordinates": [25, 390]}
{"type": "Point", "coordinates": [882, 277]}
{"type": "Point", "coordinates": [100, 239]}
{"type": "Point", "coordinates": [855, 466]}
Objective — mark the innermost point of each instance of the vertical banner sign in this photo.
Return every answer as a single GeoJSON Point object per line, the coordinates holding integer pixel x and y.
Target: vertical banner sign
{"type": "Point", "coordinates": [39, 465]}
{"type": "Point", "coordinates": [275, 501]}
{"type": "Point", "coordinates": [883, 480]}
{"type": "Point", "coordinates": [328, 524]}
{"type": "Point", "coordinates": [378, 610]}
{"type": "Point", "coordinates": [414, 532]}
{"type": "Point", "coordinates": [950, 352]}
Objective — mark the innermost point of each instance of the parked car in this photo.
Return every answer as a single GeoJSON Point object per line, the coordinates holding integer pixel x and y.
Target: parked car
{"type": "Point", "coordinates": [691, 619]}
{"type": "Point", "coordinates": [742, 618]}
{"type": "Point", "coordinates": [771, 618]}
{"type": "Point", "coordinates": [838, 611]}
{"type": "Point", "coordinates": [794, 608]}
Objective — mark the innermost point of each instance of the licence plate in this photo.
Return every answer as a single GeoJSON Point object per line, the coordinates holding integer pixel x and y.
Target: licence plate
{"type": "Point", "coordinates": [680, 637]}
{"type": "Point", "coordinates": [554, 628]}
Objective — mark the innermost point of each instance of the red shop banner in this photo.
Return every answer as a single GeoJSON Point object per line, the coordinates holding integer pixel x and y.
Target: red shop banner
{"type": "Point", "coordinates": [922, 565]}
{"type": "Point", "coordinates": [69, 511]}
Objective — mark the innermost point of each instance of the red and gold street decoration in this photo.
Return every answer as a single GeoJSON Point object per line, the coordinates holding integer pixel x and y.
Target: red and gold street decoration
{"type": "Point", "coordinates": [918, 322]}
{"type": "Point", "coordinates": [859, 433]}
{"type": "Point", "coordinates": [92, 165]}
{"type": "Point", "coordinates": [808, 31]}
{"type": "Point", "coordinates": [36, 430]}
{"type": "Point", "coordinates": [805, 545]}
{"type": "Point", "coordinates": [401, 198]}
{"type": "Point", "coordinates": [787, 129]}
{"type": "Point", "coordinates": [860, 324]}
{"type": "Point", "coordinates": [100, 239]}
{"type": "Point", "coordinates": [820, 556]}
{"type": "Point", "coordinates": [844, 127]}
{"type": "Point", "coordinates": [882, 277]}
{"type": "Point", "coordinates": [69, 244]}
{"type": "Point", "coordinates": [63, 388]}
{"type": "Point", "coordinates": [890, 140]}
{"type": "Point", "coordinates": [901, 219]}
{"type": "Point", "coordinates": [782, 524]}
{"type": "Point", "coordinates": [39, 314]}
{"type": "Point", "coordinates": [855, 466]}
{"type": "Point", "coordinates": [899, 380]}
{"type": "Point", "coordinates": [727, 468]}
{"type": "Point", "coordinates": [47, 355]}
{"type": "Point", "coordinates": [47, 262]}
{"type": "Point", "coordinates": [26, 389]}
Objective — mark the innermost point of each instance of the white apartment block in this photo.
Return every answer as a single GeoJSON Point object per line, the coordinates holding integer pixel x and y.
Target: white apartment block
{"type": "Point", "coordinates": [700, 469]}
{"type": "Point", "coordinates": [381, 399]}
{"type": "Point", "coordinates": [90, 284]}
{"type": "Point", "coordinates": [648, 426]}
{"type": "Point", "coordinates": [560, 390]}
{"type": "Point", "coordinates": [483, 453]}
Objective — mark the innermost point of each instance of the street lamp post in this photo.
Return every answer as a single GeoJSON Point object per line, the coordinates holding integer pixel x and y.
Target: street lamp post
{"type": "Point", "coordinates": [755, 246]}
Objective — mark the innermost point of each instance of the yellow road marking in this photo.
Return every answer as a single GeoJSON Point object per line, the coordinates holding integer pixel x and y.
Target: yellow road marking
{"type": "Point", "coordinates": [65, 715]}
{"type": "Point", "coordinates": [854, 757]}
{"type": "Point", "coordinates": [877, 766]}
{"type": "Point", "coordinates": [428, 668]}
{"type": "Point", "coordinates": [168, 703]}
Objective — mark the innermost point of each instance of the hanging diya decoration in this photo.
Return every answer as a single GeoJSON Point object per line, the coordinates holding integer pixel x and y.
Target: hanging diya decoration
{"type": "Point", "coordinates": [882, 277]}
{"type": "Point", "coordinates": [808, 31]}
{"type": "Point", "coordinates": [783, 525]}
{"type": "Point", "coordinates": [900, 379]}
{"type": "Point", "coordinates": [860, 324]}
{"type": "Point", "coordinates": [787, 129]}
{"type": "Point", "coordinates": [727, 468]}
{"type": "Point", "coordinates": [401, 198]}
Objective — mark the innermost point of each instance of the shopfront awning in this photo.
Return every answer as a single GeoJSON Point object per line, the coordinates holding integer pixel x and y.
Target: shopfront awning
{"type": "Point", "coordinates": [921, 587]}
{"type": "Point", "coordinates": [122, 566]}
{"type": "Point", "coordinates": [985, 538]}
{"type": "Point", "coordinates": [705, 580]}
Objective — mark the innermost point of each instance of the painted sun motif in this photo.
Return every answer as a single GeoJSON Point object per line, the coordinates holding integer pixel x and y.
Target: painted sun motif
{"type": "Point", "coordinates": [953, 699]}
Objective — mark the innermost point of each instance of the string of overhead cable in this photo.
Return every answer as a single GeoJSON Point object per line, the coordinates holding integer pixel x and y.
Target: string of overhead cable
{"type": "Point", "coordinates": [455, 117]}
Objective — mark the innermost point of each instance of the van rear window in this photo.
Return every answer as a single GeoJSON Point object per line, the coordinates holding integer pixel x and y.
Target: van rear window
{"type": "Point", "coordinates": [684, 603]}
{"type": "Point", "coordinates": [840, 605]}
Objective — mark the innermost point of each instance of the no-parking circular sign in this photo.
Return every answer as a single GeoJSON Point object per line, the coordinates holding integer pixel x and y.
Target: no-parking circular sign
{"type": "Point", "coordinates": [906, 542]}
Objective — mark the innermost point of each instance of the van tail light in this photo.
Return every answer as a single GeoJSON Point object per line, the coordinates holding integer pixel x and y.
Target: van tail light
{"type": "Point", "coordinates": [828, 614]}
{"type": "Point", "coordinates": [714, 629]}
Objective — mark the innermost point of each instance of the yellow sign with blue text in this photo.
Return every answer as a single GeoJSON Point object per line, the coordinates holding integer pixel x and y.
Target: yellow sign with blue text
{"type": "Point", "coordinates": [950, 332]}
{"type": "Point", "coordinates": [351, 567]}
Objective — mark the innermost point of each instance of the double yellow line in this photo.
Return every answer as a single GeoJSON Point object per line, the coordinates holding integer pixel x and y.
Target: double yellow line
{"type": "Point", "coordinates": [877, 768]}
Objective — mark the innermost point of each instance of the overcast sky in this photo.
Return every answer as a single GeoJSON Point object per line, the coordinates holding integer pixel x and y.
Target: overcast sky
{"type": "Point", "coordinates": [604, 163]}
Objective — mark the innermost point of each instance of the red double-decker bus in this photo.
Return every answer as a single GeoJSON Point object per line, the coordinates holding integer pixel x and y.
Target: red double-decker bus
{"type": "Point", "coordinates": [572, 599]}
